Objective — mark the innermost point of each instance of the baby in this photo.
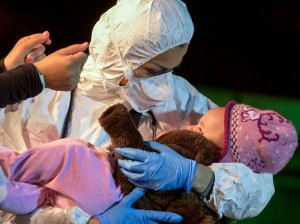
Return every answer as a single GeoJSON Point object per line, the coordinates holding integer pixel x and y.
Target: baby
{"type": "Point", "coordinates": [261, 139]}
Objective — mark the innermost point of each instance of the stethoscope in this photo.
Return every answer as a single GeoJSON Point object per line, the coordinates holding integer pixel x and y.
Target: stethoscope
{"type": "Point", "coordinates": [136, 117]}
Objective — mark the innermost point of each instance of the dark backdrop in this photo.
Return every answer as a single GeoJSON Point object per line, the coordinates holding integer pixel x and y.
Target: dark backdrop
{"type": "Point", "coordinates": [244, 45]}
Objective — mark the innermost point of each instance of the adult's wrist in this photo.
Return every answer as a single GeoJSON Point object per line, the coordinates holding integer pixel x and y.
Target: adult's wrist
{"type": "Point", "coordinates": [94, 221]}
{"type": "Point", "coordinates": [203, 181]}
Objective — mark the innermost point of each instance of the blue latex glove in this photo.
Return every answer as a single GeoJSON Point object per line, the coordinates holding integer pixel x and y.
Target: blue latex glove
{"type": "Point", "coordinates": [122, 213]}
{"type": "Point", "coordinates": [166, 170]}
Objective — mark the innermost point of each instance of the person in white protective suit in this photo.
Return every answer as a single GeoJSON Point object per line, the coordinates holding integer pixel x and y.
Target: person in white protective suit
{"type": "Point", "coordinates": [134, 47]}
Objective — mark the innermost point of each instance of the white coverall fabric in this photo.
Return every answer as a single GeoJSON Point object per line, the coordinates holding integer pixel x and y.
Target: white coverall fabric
{"type": "Point", "coordinates": [125, 37]}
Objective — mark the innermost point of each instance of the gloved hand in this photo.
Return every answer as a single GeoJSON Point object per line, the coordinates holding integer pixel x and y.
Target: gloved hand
{"type": "Point", "coordinates": [166, 170]}
{"type": "Point", "coordinates": [122, 213]}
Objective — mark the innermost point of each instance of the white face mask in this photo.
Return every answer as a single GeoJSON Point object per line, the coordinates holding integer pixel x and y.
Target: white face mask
{"type": "Point", "coordinates": [144, 94]}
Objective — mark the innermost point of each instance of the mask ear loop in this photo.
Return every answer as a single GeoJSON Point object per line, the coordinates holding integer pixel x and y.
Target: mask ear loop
{"type": "Point", "coordinates": [128, 69]}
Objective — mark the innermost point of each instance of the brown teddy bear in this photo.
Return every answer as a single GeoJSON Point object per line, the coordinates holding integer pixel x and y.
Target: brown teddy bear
{"type": "Point", "coordinates": [119, 125]}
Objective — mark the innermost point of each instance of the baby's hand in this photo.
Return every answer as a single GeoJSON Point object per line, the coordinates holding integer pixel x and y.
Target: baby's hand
{"type": "Point", "coordinates": [194, 128]}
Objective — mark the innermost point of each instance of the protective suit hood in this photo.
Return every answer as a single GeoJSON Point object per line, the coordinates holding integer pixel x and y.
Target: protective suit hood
{"type": "Point", "coordinates": [131, 33]}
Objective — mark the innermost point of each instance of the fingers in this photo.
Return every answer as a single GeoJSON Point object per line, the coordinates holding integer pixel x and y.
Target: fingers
{"type": "Point", "coordinates": [34, 40]}
{"type": "Point", "coordinates": [74, 49]}
{"type": "Point", "coordinates": [27, 50]}
{"type": "Point", "coordinates": [36, 54]}
{"type": "Point", "coordinates": [80, 57]}
{"type": "Point", "coordinates": [194, 128]}
{"type": "Point", "coordinates": [31, 59]}
{"type": "Point", "coordinates": [136, 194]}
{"type": "Point", "coordinates": [163, 216]}
{"type": "Point", "coordinates": [77, 53]}
{"type": "Point", "coordinates": [46, 34]}
{"type": "Point", "coordinates": [134, 166]}
{"type": "Point", "coordinates": [137, 179]}
{"type": "Point", "coordinates": [135, 154]}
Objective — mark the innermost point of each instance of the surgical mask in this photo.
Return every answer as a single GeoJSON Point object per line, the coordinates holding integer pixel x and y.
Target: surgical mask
{"type": "Point", "coordinates": [143, 94]}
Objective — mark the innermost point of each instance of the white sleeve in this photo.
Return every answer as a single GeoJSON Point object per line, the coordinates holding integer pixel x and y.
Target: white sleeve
{"type": "Point", "coordinates": [48, 215]}
{"type": "Point", "coordinates": [238, 192]}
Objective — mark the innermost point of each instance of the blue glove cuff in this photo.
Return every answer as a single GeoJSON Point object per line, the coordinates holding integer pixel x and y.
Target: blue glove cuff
{"type": "Point", "coordinates": [190, 177]}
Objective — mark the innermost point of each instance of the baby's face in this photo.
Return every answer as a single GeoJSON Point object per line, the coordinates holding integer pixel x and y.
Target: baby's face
{"type": "Point", "coordinates": [211, 125]}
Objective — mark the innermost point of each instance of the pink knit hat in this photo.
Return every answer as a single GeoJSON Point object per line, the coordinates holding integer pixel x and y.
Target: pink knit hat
{"type": "Point", "coordinates": [261, 139]}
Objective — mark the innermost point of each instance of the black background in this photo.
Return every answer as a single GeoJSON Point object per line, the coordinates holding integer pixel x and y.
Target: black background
{"type": "Point", "coordinates": [243, 45]}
